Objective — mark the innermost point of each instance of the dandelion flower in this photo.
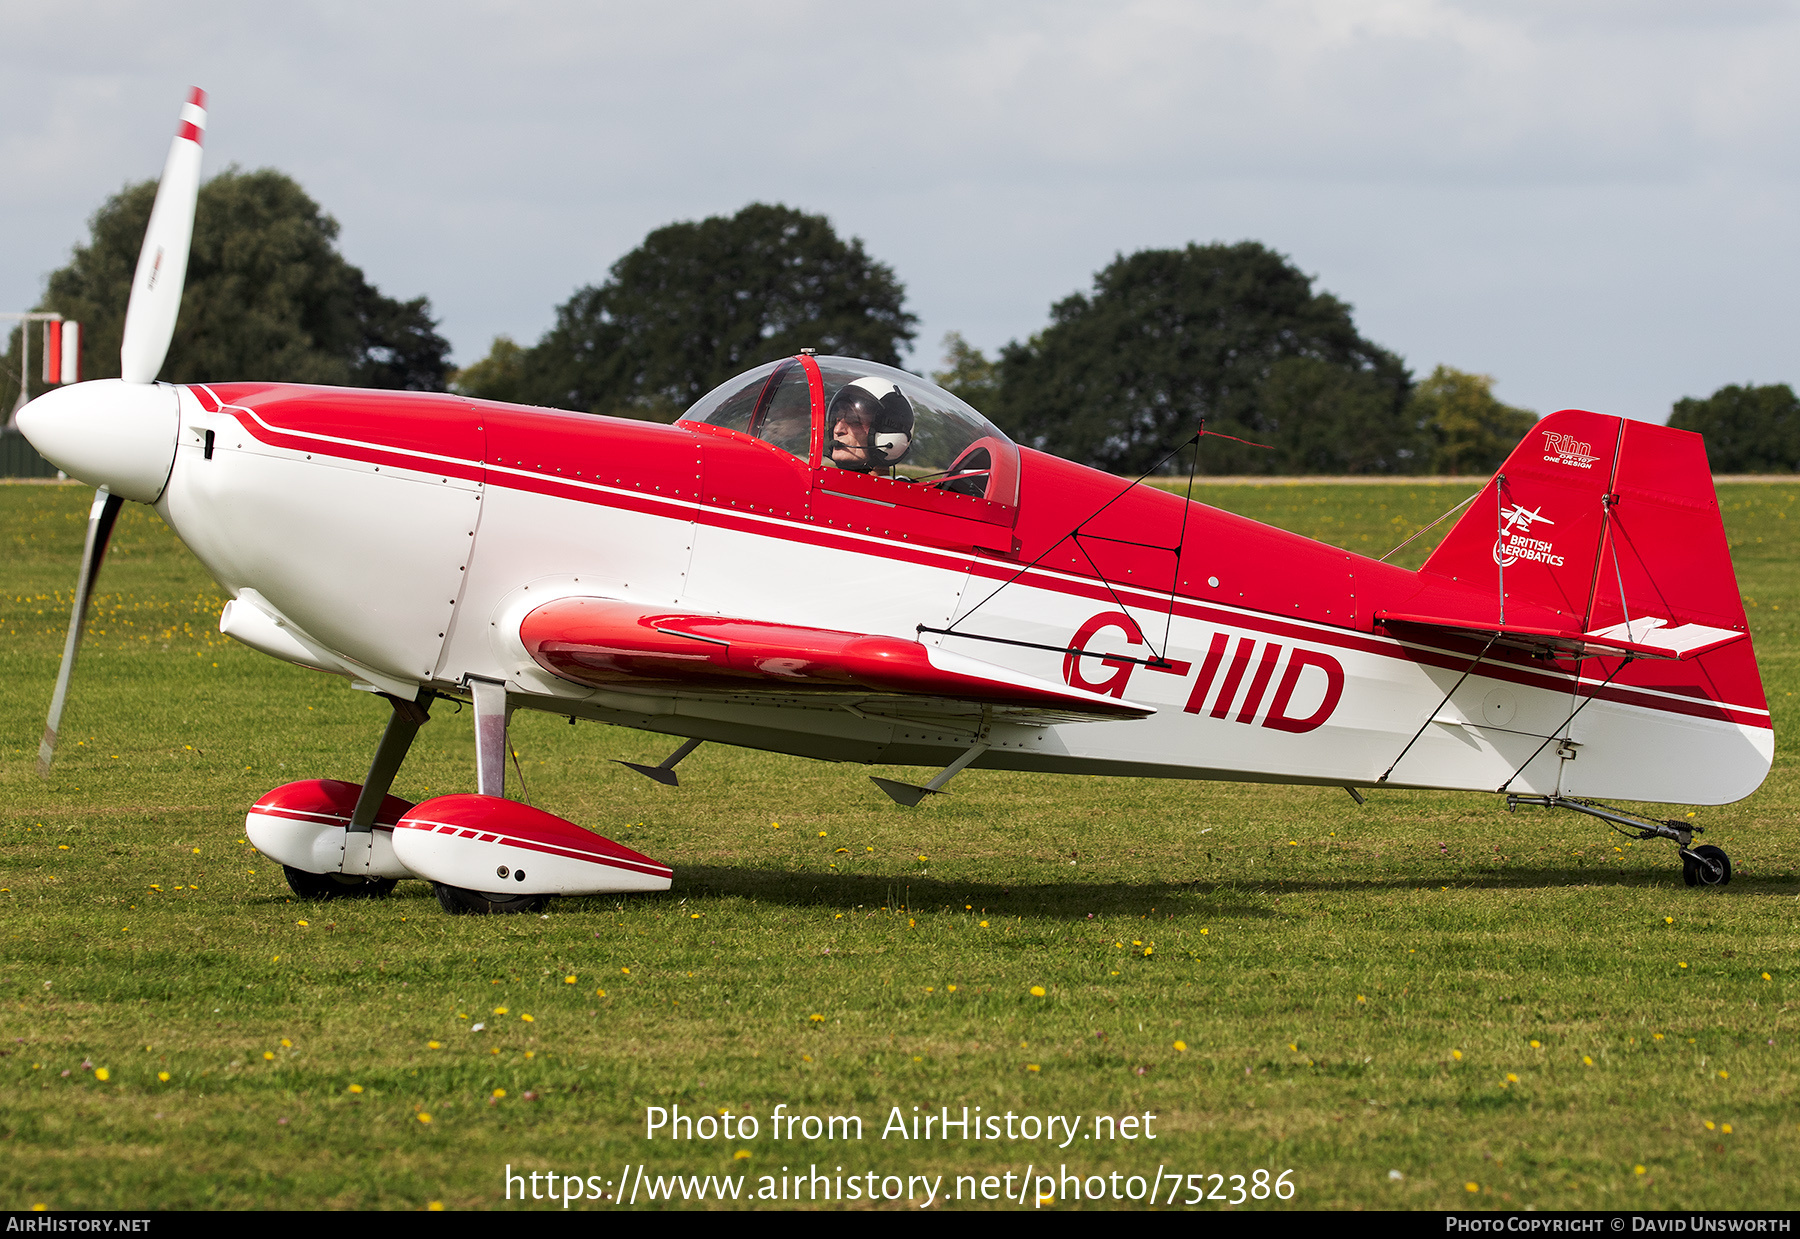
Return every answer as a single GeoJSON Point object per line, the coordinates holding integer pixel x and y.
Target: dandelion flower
{"type": "Point", "coordinates": [742, 1155]}
{"type": "Point", "coordinates": [499, 1010]}
{"type": "Point", "coordinates": [1637, 1170]}
{"type": "Point", "coordinates": [102, 1074]}
{"type": "Point", "coordinates": [951, 989]}
{"type": "Point", "coordinates": [356, 1088]}
{"type": "Point", "coordinates": [1682, 964]}
{"type": "Point", "coordinates": [286, 1044]}
{"type": "Point", "coordinates": [1709, 1125]}
{"type": "Point", "coordinates": [984, 924]}
{"type": "Point", "coordinates": [163, 1076]}
{"type": "Point", "coordinates": [1511, 1078]}
{"type": "Point", "coordinates": [1037, 991]}
{"type": "Point", "coordinates": [268, 1055]}
{"type": "Point", "coordinates": [599, 993]}
{"type": "Point", "coordinates": [1587, 1060]}
{"type": "Point", "coordinates": [1471, 1187]}
{"type": "Point", "coordinates": [1536, 1046]}
{"type": "Point", "coordinates": [424, 1118]}
{"type": "Point", "coordinates": [432, 1045]}
{"type": "Point", "coordinates": [527, 1019]}
{"type": "Point", "coordinates": [1726, 1128]}
{"type": "Point", "coordinates": [1457, 1055]}
{"type": "Point", "coordinates": [499, 1093]}
{"type": "Point", "coordinates": [816, 1018]}
{"type": "Point", "coordinates": [1031, 1067]}
{"type": "Point", "coordinates": [1724, 1075]}
{"type": "Point", "coordinates": [1181, 1047]}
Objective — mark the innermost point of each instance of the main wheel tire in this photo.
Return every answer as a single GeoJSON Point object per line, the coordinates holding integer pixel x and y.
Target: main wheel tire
{"type": "Point", "coordinates": [1696, 874]}
{"type": "Point", "coordinates": [457, 901]}
{"type": "Point", "coordinates": [335, 885]}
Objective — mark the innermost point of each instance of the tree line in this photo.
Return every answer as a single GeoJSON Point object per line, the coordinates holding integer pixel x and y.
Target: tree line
{"type": "Point", "coordinates": [1234, 338]}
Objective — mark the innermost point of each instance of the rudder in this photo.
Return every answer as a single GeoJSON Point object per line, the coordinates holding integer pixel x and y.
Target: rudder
{"type": "Point", "coordinates": [1603, 521]}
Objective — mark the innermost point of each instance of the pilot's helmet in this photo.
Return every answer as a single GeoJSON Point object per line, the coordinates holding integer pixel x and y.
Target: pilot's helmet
{"type": "Point", "coordinates": [884, 409]}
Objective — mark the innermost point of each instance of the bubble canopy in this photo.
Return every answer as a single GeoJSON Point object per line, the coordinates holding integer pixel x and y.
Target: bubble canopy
{"type": "Point", "coordinates": [842, 413]}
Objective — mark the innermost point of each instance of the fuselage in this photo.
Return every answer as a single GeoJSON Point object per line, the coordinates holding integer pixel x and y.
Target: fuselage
{"type": "Point", "coordinates": [409, 534]}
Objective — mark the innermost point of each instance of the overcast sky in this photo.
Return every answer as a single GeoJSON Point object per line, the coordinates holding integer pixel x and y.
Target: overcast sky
{"type": "Point", "coordinates": [1593, 202]}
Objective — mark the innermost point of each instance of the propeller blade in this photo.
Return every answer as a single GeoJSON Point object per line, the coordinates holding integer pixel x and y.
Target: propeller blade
{"type": "Point", "coordinates": [99, 533]}
{"type": "Point", "coordinates": [162, 263]}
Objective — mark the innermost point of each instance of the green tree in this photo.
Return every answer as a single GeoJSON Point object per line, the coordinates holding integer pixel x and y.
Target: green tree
{"type": "Point", "coordinates": [699, 302]}
{"type": "Point", "coordinates": [267, 296]}
{"type": "Point", "coordinates": [498, 376]}
{"type": "Point", "coordinates": [967, 374]}
{"type": "Point", "coordinates": [1748, 429]}
{"type": "Point", "coordinates": [1171, 337]}
{"type": "Point", "coordinates": [1467, 429]}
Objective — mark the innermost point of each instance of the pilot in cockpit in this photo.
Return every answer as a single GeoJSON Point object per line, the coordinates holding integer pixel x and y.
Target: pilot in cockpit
{"type": "Point", "coordinates": [871, 424]}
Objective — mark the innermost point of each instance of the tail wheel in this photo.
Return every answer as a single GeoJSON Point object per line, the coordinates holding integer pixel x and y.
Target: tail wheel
{"type": "Point", "coordinates": [456, 901]}
{"type": "Point", "coordinates": [1706, 866]}
{"type": "Point", "coordinates": [335, 885]}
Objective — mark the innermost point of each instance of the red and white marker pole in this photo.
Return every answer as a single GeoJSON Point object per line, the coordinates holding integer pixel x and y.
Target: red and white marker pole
{"type": "Point", "coordinates": [62, 352]}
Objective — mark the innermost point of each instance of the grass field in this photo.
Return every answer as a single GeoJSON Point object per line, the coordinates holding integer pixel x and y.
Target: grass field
{"type": "Point", "coordinates": [1419, 1003]}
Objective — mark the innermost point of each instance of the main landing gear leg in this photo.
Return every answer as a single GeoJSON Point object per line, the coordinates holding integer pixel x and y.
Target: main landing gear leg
{"type": "Point", "coordinates": [490, 736]}
{"type": "Point", "coordinates": [491, 715]}
{"type": "Point", "coordinates": [353, 880]}
{"type": "Point", "coordinates": [396, 742]}
{"type": "Point", "coordinates": [1700, 866]}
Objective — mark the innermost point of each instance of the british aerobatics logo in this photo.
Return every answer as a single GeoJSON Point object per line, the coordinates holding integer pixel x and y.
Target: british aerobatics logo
{"type": "Point", "coordinates": [1514, 542]}
{"type": "Point", "coordinates": [1568, 450]}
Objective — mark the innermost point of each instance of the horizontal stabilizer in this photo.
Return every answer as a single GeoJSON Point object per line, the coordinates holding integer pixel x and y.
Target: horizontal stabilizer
{"type": "Point", "coordinates": [1643, 638]}
{"type": "Point", "coordinates": [606, 643]}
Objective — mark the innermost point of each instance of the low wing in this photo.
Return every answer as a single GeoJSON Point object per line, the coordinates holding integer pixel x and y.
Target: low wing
{"type": "Point", "coordinates": [1642, 638]}
{"type": "Point", "coordinates": [606, 643]}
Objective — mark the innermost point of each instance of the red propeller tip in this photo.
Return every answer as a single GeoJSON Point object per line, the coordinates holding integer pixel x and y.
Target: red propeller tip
{"type": "Point", "coordinates": [192, 125]}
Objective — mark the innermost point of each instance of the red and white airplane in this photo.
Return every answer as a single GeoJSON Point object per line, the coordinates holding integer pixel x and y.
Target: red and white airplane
{"type": "Point", "coordinates": [835, 559]}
